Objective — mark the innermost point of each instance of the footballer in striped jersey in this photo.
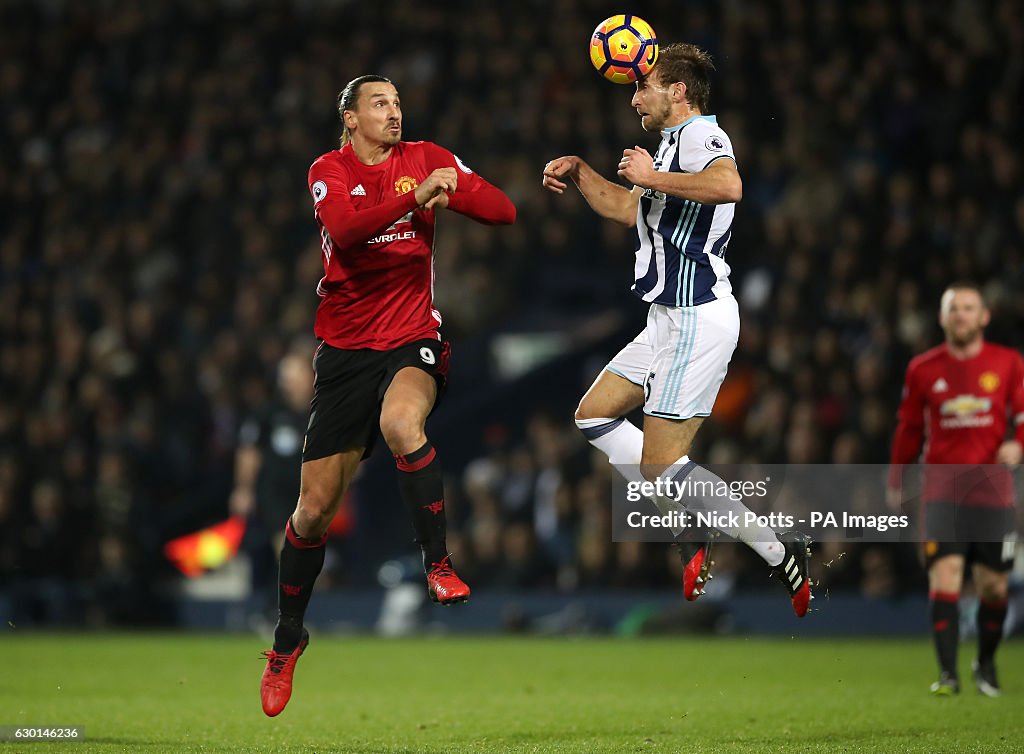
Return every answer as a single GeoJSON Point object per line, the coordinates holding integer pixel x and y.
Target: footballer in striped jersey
{"type": "Point", "coordinates": [681, 207]}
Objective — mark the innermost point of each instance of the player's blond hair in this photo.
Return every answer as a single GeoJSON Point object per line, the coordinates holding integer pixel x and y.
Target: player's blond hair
{"type": "Point", "coordinates": [691, 65]}
{"type": "Point", "coordinates": [349, 97]}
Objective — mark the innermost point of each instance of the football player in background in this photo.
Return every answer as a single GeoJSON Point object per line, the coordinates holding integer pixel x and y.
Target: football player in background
{"type": "Point", "coordinates": [958, 399]}
{"type": "Point", "coordinates": [267, 465]}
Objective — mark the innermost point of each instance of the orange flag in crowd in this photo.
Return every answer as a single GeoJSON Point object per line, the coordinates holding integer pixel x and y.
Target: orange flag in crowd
{"type": "Point", "coordinates": [195, 554]}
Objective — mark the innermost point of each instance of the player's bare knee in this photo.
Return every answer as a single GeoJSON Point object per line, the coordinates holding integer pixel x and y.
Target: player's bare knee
{"type": "Point", "coordinates": [402, 433]}
{"type": "Point", "coordinates": [584, 411]}
{"type": "Point", "coordinates": [314, 512]}
{"type": "Point", "coordinates": [994, 591]}
{"type": "Point", "coordinates": [993, 587]}
{"type": "Point", "coordinates": [946, 575]}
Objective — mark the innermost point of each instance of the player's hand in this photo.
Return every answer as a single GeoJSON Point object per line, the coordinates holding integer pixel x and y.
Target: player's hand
{"type": "Point", "coordinates": [241, 502]}
{"type": "Point", "coordinates": [556, 171]}
{"type": "Point", "coordinates": [1011, 453]}
{"type": "Point", "coordinates": [440, 201]}
{"type": "Point", "coordinates": [637, 166]}
{"type": "Point", "coordinates": [441, 180]}
{"type": "Point", "coordinates": [894, 498]}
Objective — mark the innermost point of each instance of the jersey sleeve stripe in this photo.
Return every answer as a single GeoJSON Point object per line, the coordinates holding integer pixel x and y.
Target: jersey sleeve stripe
{"type": "Point", "coordinates": [719, 157]}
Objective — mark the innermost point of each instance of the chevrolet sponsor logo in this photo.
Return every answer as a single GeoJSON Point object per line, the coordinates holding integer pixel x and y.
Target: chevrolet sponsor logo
{"type": "Point", "coordinates": [965, 405]}
{"type": "Point", "coordinates": [389, 237]}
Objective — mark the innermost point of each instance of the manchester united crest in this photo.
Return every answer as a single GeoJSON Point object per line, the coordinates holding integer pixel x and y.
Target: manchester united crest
{"type": "Point", "coordinates": [405, 184]}
{"type": "Point", "coordinates": [989, 381]}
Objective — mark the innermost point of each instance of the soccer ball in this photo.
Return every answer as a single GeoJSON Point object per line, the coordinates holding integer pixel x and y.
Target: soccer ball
{"type": "Point", "coordinates": [623, 48]}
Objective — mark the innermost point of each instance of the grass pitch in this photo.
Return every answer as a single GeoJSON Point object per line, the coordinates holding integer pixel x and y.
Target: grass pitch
{"type": "Point", "coordinates": [174, 693]}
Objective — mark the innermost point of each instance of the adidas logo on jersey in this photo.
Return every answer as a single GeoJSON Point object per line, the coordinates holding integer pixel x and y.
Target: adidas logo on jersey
{"type": "Point", "coordinates": [940, 386]}
{"type": "Point", "coordinates": [358, 191]}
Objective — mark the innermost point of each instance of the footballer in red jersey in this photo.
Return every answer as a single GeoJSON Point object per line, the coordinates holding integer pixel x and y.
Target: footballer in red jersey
{"type": "Point", "coordinates": [960, 400]}
{"type": "Point", "coordinates": [380, 362]}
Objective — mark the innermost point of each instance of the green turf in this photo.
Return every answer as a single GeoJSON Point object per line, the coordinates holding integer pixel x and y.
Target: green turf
{"type": "Point", "coordinates": [149, 693]}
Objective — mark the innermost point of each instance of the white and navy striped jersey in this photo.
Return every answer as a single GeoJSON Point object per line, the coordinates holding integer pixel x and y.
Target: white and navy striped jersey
{"type": "Point", "coordinates": [680, 245]}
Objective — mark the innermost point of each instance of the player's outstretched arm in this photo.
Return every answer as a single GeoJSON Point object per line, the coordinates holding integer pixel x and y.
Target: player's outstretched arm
{"type": "Point", "coordinates": [718, 183]}
{"type": "Point", "coordinates": [607, 199]}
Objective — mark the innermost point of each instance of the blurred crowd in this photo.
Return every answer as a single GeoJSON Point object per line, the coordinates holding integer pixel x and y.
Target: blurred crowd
{"type": "Point", "coordinates": [158, 253]}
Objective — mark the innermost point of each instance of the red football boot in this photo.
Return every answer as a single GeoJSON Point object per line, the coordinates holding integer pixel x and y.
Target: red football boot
{"type": "Point", "coordinates": [696, 557]}
{"type": "Point", "coordinates": [794, 570]}
{"type": "Point", "coordinates": [276, 686]}
{"type": "Point", "coordinates": [444, 585]}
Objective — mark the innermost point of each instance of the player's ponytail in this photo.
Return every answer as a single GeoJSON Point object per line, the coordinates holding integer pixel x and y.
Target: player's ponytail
{"type": "Point", "coordinates": [349, 96]}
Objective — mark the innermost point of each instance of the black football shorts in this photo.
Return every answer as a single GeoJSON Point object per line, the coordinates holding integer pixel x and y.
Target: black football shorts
{"type": "Point", "coordinates": [981, 535]}
{"type": "Point", "coordinates": [350, 386]}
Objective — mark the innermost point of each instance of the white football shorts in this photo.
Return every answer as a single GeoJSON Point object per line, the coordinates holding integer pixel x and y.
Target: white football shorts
{"type": "Point", "coordinates": [681, 357]}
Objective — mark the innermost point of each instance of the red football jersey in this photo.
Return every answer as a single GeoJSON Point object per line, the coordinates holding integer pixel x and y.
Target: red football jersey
{"type": "Point", "coordinates": [960, 408]}
{"type": "Point", "coordinates": [378, 246]}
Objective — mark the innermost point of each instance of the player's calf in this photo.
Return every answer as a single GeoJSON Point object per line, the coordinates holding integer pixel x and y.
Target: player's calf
{"type": "Point", "coordinates": [302, 559]}
{"type": "Point", "coordinates": [422, 490]}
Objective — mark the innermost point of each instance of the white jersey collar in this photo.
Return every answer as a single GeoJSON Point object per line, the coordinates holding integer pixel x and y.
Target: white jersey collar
{"type": "Point", "coordinates": [688, 121]}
